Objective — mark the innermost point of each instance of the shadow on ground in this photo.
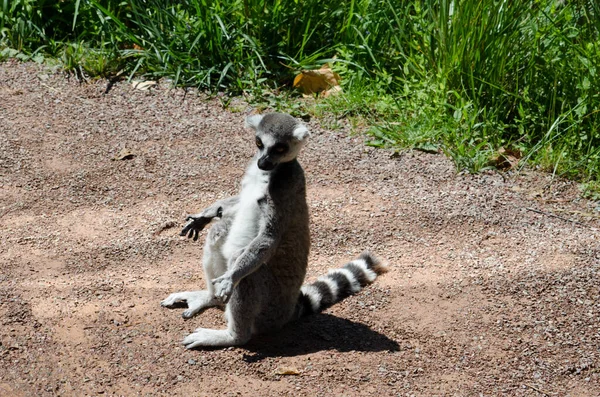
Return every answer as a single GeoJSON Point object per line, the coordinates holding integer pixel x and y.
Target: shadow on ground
{"type": "Point", "coordinates": [316, 333]}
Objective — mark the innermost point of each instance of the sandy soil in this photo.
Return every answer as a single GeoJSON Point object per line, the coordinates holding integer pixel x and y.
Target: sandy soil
{"type": "Point", "coordinates": [493, 290]}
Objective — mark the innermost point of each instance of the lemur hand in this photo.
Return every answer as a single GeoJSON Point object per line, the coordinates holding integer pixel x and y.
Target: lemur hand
{"type": "Point", "coordinates": [194, 225]}
{"type": "Point", "coordinates": [223, 287]}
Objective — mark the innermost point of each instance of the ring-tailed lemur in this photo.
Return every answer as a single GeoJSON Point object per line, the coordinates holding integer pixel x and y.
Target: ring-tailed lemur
{"type": "Point", "coordinates": [255, 256]}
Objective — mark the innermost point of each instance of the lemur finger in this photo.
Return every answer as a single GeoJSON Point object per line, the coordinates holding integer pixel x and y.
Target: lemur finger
{"type": "Point", "coordinates": [186, 228]}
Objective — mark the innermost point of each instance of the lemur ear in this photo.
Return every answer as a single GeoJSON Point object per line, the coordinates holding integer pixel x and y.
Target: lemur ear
{"type": "Point", "coordinates": [301, 132]}
{"type": "Point", "coordinates": [253, 121]}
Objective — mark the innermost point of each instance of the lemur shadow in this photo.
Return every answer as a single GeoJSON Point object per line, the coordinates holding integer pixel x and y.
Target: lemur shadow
{"type": "Point", "coordinates": [318, 332]}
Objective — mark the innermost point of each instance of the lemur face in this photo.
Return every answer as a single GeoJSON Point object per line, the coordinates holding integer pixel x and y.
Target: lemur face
{"type": "Point", "coordinates": [279, 138]}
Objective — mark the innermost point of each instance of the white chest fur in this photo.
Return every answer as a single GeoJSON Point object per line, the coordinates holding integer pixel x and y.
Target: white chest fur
{"type": "Point", "coordinates": [246, 223]}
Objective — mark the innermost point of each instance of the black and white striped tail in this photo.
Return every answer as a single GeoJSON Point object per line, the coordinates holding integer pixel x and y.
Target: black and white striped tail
{"type": "Point", "coordinates": [339, 284]}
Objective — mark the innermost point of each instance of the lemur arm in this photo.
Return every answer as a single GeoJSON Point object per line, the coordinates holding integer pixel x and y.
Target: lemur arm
{"type": "Point", "coordinates": [195, 223]}
{"type": "Point", "coordinates": [258, 252]}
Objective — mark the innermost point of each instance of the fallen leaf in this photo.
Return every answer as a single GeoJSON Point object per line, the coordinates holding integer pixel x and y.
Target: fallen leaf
{"type": "Point", "coordinates": [143, 85]}
{"type": "Point", "coordinates": [124, 154]}
{"type": "Point", "coordinates": [506, 159]}
{"type": "Point", "coordinates": [287, 371]}
{"type": "Point", "coordinates": [8, 91]}
{"type": "Point", "coordinates": [535, 194]}
{"type": "Point", "coordinates": [318, 80]}
{"type": "Point", "coordinates": [164, 226]}
{"type": "Point", "coordinates": [332, 91]}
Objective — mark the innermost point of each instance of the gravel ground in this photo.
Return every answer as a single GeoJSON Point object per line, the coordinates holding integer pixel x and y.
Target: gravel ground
{"type": "Point", "coordinates": [493, 289]}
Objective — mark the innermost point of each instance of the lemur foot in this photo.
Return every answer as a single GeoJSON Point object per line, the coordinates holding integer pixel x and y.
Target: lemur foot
{"type": "Point", "coordinates": [212, 337]}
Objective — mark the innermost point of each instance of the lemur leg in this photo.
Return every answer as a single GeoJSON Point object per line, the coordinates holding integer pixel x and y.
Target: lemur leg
{"type": "Point", "coordinates": [240, 314]}
{"type": "Point", "coordinates": [214, 265]}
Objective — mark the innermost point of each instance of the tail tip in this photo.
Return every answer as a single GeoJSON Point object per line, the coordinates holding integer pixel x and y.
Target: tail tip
{"type": "Point", "coordinates": [374, 263]}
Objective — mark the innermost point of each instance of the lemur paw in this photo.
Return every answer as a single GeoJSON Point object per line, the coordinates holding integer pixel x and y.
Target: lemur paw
{"type": "Point", "coordinates": [194, 225]}
{"type": "Point", "coordinates": [174, 300]}
{"type": "Point", "coordinates": [223, 288]}
{"type": "Point", "coordinates": [196, 302]}
{"type": "Point", "coordinates": [211, 337]}
{"type": "Point", "coordinates": [196, 339]}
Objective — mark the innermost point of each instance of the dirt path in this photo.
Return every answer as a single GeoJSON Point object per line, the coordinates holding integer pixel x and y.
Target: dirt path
{"type": "Point", "coordinates": [485, 296]}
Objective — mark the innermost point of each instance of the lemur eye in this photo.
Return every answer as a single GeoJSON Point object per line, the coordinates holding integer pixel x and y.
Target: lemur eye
{"type": "Point", "coordinates": [259, 143]}
{"type": "Point", "coordinates": [280, 148]}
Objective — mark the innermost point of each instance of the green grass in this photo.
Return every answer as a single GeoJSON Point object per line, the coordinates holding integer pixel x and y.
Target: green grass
{"type": "Point", "coordinates": [469, 81]}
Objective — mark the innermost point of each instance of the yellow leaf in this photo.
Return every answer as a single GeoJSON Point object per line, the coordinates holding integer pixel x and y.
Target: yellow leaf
{"type": "Point", "coordinates": [287, 371]}
{"type": "Point", "coordinates": [318, 80]}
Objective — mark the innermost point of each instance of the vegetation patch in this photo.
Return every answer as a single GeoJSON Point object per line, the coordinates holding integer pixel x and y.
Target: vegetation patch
{"type": "Point", "coordinates": [474, 80]}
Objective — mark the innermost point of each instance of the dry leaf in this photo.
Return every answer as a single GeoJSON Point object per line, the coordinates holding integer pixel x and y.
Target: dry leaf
{"type": "Point", "coordinates": [143, 85]}
{"type": "Point", "coordinates": [164, 226]}
{"type": "Point", "coordinates": [319, 80]}
{"type": "Point", "coordinates": [287, 371]}
{"type": "Point", "coordinates": [506, 159]}
{"type": "Point", "coordinates": [535, 194]}
{"type": "Point", "coordinates": [124, 154]}
{"type": "Point", "coordinates": [9, 91]}
{"type": "Point", "coordinates": [332, 91]}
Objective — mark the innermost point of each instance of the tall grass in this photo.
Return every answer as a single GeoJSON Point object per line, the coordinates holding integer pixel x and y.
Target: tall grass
{"type": "Point", "coordinates": [473, 77]}
{"type": "Point", "coordinates": [470, 78]}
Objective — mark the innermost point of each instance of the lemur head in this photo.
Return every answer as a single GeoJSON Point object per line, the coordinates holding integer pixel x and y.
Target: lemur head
{"type": "Point", "coordinates": [279, 138]}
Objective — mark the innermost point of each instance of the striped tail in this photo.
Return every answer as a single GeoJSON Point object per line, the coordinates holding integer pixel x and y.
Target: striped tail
{"type": "Point", "coordinates": [339, 284]}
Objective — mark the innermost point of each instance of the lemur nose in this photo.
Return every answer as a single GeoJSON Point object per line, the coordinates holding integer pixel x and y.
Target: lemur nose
{"type": "Point", "coordinates": [265, 164]}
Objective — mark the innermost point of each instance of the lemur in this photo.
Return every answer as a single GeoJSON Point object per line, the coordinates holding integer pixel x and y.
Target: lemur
{"type": "Point", "coordinates": [256, 254]}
